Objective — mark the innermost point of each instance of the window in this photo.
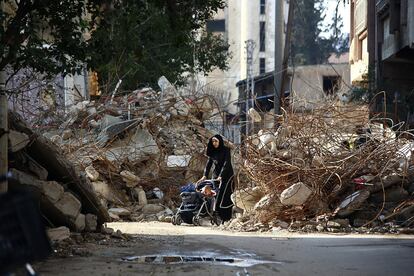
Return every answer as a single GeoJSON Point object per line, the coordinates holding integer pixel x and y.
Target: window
{"type": "Point", "coordinates": [216, 26]}
{"type": "Point", "coordinates": [331, 84]}
{"type": "Point", "coordinates": [262, 6]}
{"type": "Point", "coordinates": [262, 67]}
{"type": "Point", "coordinates": [262, 36]}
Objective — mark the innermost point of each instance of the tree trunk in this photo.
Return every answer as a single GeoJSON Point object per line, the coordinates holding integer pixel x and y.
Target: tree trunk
{"type": "Point", "coordinates": [3, 131]}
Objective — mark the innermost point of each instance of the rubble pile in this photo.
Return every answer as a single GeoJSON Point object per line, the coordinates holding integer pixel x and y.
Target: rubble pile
{"type": "Point", "coordinates": [137, 150]}
{"type": "Point", "coordinates": [330, 170]}
{"type": "Point", "coordinates": [37, 166]}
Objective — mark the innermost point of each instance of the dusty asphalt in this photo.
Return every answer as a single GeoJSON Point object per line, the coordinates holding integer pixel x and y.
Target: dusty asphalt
{"type": "Point", "coordinates": [283, 254]}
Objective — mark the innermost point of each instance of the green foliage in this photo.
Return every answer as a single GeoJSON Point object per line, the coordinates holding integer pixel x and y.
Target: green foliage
{"type": "Point", "coordinates": [308, 46]}
{"type": "Point", "coordinates": [45, 35]}
{"type": "Point", "coordinates": [139, 40]}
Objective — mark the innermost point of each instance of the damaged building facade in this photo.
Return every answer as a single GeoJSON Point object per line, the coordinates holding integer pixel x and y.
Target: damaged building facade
{"type": "Point", "coordinates": [382, 54]}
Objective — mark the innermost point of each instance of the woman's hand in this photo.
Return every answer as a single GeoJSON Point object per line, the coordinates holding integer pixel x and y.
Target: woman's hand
{"type": "Point", "coordinates": [201, 179]}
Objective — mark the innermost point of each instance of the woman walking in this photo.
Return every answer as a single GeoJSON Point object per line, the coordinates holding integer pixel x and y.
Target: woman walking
{"type": "Point", "coordinates": [219, 155]}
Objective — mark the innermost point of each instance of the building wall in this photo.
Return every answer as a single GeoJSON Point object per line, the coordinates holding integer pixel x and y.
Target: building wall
{"type": "Point", "coordinates": [359, 58]}
{"type": "Point", "coordinates": [243, 23]}
{"type": "Point", "coordinates": [307, 85]}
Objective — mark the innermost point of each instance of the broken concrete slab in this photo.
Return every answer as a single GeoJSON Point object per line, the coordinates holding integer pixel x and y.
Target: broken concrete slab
{"type": "Point", "coordinates": [91, 222]}
{"type": "Point", "coordinates": [66, 134]}
{"type": "Point", "coordinates": [351, 203]}
{"type": "Point", "coordinates": [120, 212]}
{"type": "Point", "coordinates": [112, 130]}
{"type": "Point", "coordinates": [152, 209]}
{"type": "Point", "coordinates": [17, 140]}
{"type": "Point", "coordinates": [178, 161]}
{"type": "Point", "coordinates": [92, 173]}
{"type": "Point", "coordinates": [297, 194]}
{"type": "Point", "coordinates": [58, 234]}
{"type": "Point", "coordinates": [247, 198]}
{"type": "Point", "coordinates": [52, 190]}
{"type": "Point", "coordinates": [69, 205]}
{"type": "Point", "coordinates": [80, 222]}
{"type": "Point", "coordinates": [130, 178]}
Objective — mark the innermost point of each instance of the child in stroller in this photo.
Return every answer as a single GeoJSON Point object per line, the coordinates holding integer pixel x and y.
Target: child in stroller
{"type": "Point", "coordinates": [197, 202]}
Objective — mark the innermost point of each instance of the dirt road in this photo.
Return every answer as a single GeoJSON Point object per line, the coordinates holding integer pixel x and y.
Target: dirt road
{"type": "Point", "coordinates": [164, 249]}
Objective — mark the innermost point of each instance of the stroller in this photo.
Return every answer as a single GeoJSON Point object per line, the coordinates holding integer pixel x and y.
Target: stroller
{"type": "Point", "coordinates": [196, 205]}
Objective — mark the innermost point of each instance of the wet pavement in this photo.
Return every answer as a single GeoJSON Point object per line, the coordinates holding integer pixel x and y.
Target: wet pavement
{"type": "Point", "coordinates": [206, 251]}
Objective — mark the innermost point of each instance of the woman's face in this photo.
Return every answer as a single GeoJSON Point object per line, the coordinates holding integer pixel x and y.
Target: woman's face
{"type": "Point", "coordinates": [215, 142]}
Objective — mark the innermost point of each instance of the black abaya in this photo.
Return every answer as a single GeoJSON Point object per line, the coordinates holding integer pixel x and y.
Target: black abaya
{"type": "Point", "coordinates": [221, 158]}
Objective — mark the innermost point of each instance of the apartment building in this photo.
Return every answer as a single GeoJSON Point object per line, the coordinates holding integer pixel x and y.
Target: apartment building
{"type": "Point", "coordinates": [240, 21]}
{"type": "Point", "coordinates": [382, 52]}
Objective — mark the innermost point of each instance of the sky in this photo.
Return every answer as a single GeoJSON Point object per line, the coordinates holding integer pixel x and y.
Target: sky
{"type": "Point", "coordinates": [344, 11]}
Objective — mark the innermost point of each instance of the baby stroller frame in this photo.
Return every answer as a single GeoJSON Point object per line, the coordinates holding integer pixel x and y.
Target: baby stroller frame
{"type": "Point", "coordinates": [204, 210]}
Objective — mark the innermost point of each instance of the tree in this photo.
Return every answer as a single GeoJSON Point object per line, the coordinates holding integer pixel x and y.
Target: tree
{"type": "Point", "coordinates": [308, 46]}
{"type": "Point", "coordinates": [140, 40]}
{"type": "Point", "coordinates": [46, 36]}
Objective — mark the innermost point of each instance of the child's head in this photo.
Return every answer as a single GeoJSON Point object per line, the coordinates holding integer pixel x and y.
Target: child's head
{"type": "Point", "coordinates": [207, 191]}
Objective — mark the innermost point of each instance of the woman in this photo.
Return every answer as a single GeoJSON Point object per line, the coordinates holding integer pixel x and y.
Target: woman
{"type": "Point", "coordinates": [219, 155]}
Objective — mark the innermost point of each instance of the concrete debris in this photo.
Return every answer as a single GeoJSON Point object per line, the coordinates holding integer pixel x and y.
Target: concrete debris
{"type": "Point", "coordinates": [17, 140]}
{"type": "Point", "coordinates": [80, 223]}
{"type": "Point", "coordinates": [333, 161]}
{"type": "Point", "coordinates": [58, 234]}
{"type": "Point", "coordinates": [297, 194]}
{"type": "Point", "coordinates": [119, 212]}
{"type": "Point", "coordinates": [69, 205]}
{"type": "Point", "coordinates": [92, 173]}
{"type": "Point", "coordinates": [91, 222]}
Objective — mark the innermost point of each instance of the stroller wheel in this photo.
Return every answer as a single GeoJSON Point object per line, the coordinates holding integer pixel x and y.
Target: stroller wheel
{"type": "Point", "coordinates": [178, 220]}
{"type": "Point", "coordinates": [173, 220]}
{"type": "Point", "coordinates": [196, 220]}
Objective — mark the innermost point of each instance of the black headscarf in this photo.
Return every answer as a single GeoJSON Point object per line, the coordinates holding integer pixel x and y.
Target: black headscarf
{"type": "Point", "coordinates": [211, 150]}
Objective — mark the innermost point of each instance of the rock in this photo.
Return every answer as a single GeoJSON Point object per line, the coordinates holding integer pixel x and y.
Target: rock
{"type": "Point", "coordinates": [280, 223]}
{"type": "Point", "coordinates": [109, 120]}
{"type": "Point", "coordinates": [333, 224]}
{"type": "Point", "coordinates": [393, 194]}
{"type": "Point", "coordinates": [129, 178]}
{"type": "Point", "coordinates": [25, 178]}
{"type": "Point", "coordinates": [80, 222]}
{"type": "Point", "coordinates": [246, 199]}
{"type": "Point", "coordinates": [144, 142]}
{"type": "Point", "coordinates": [152, 209]}
{"type": "Point", "coordinates": [114, 217]}
{"type": "Point", "coordinates": [178, 161]}
{"type": "Point", "coordinates": [91, 110]}
{"type": "Point", "coordinates": [120, 212]}
{"type": "Point", "coordinates": [92, 173]}
{"type": "Point", "coordinates": [254, 115]}
{"type": "Point", "coordinates": [56, 139]}
{"type": "Point", "coordinates": [142, 197]}
{"type": "Point", "coordinates": [268, 202]}
{"type": "Point", "coordinates": [52, 190]}
{"type": "Point", "coordinates": [113, 130]}
{"type": "Point", "coordinates": [107, 230]}
{"type": "Point", "coordinates": [106, 191]}
{"type": "Point", "coordinates": [297, 194]}
{"type": "Point", "coordinates": [17, 140]}
{"type": "Point", "coordinates": [68, 133]}
{"type": "Point", "coordinates": [69, 205]}
{"type": "Point", "coordinates": [351, 203]}
{"type": "Point", "coordinates": [91, 222]}
{"type": "Point", "coordinates": [118, 234]}
{"type": "Point", "coordinates": [344, 223]}
{"type": "Point", "coordinates": [37, 169]}
{"type": "Point", "coordinates": [320, 228]}
{"type": "Point", "coordinates": [58, 234]}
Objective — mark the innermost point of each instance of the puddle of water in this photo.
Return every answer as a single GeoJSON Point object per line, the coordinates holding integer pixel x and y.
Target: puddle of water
{"type": "Point", "coordinates": [180, 259]}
